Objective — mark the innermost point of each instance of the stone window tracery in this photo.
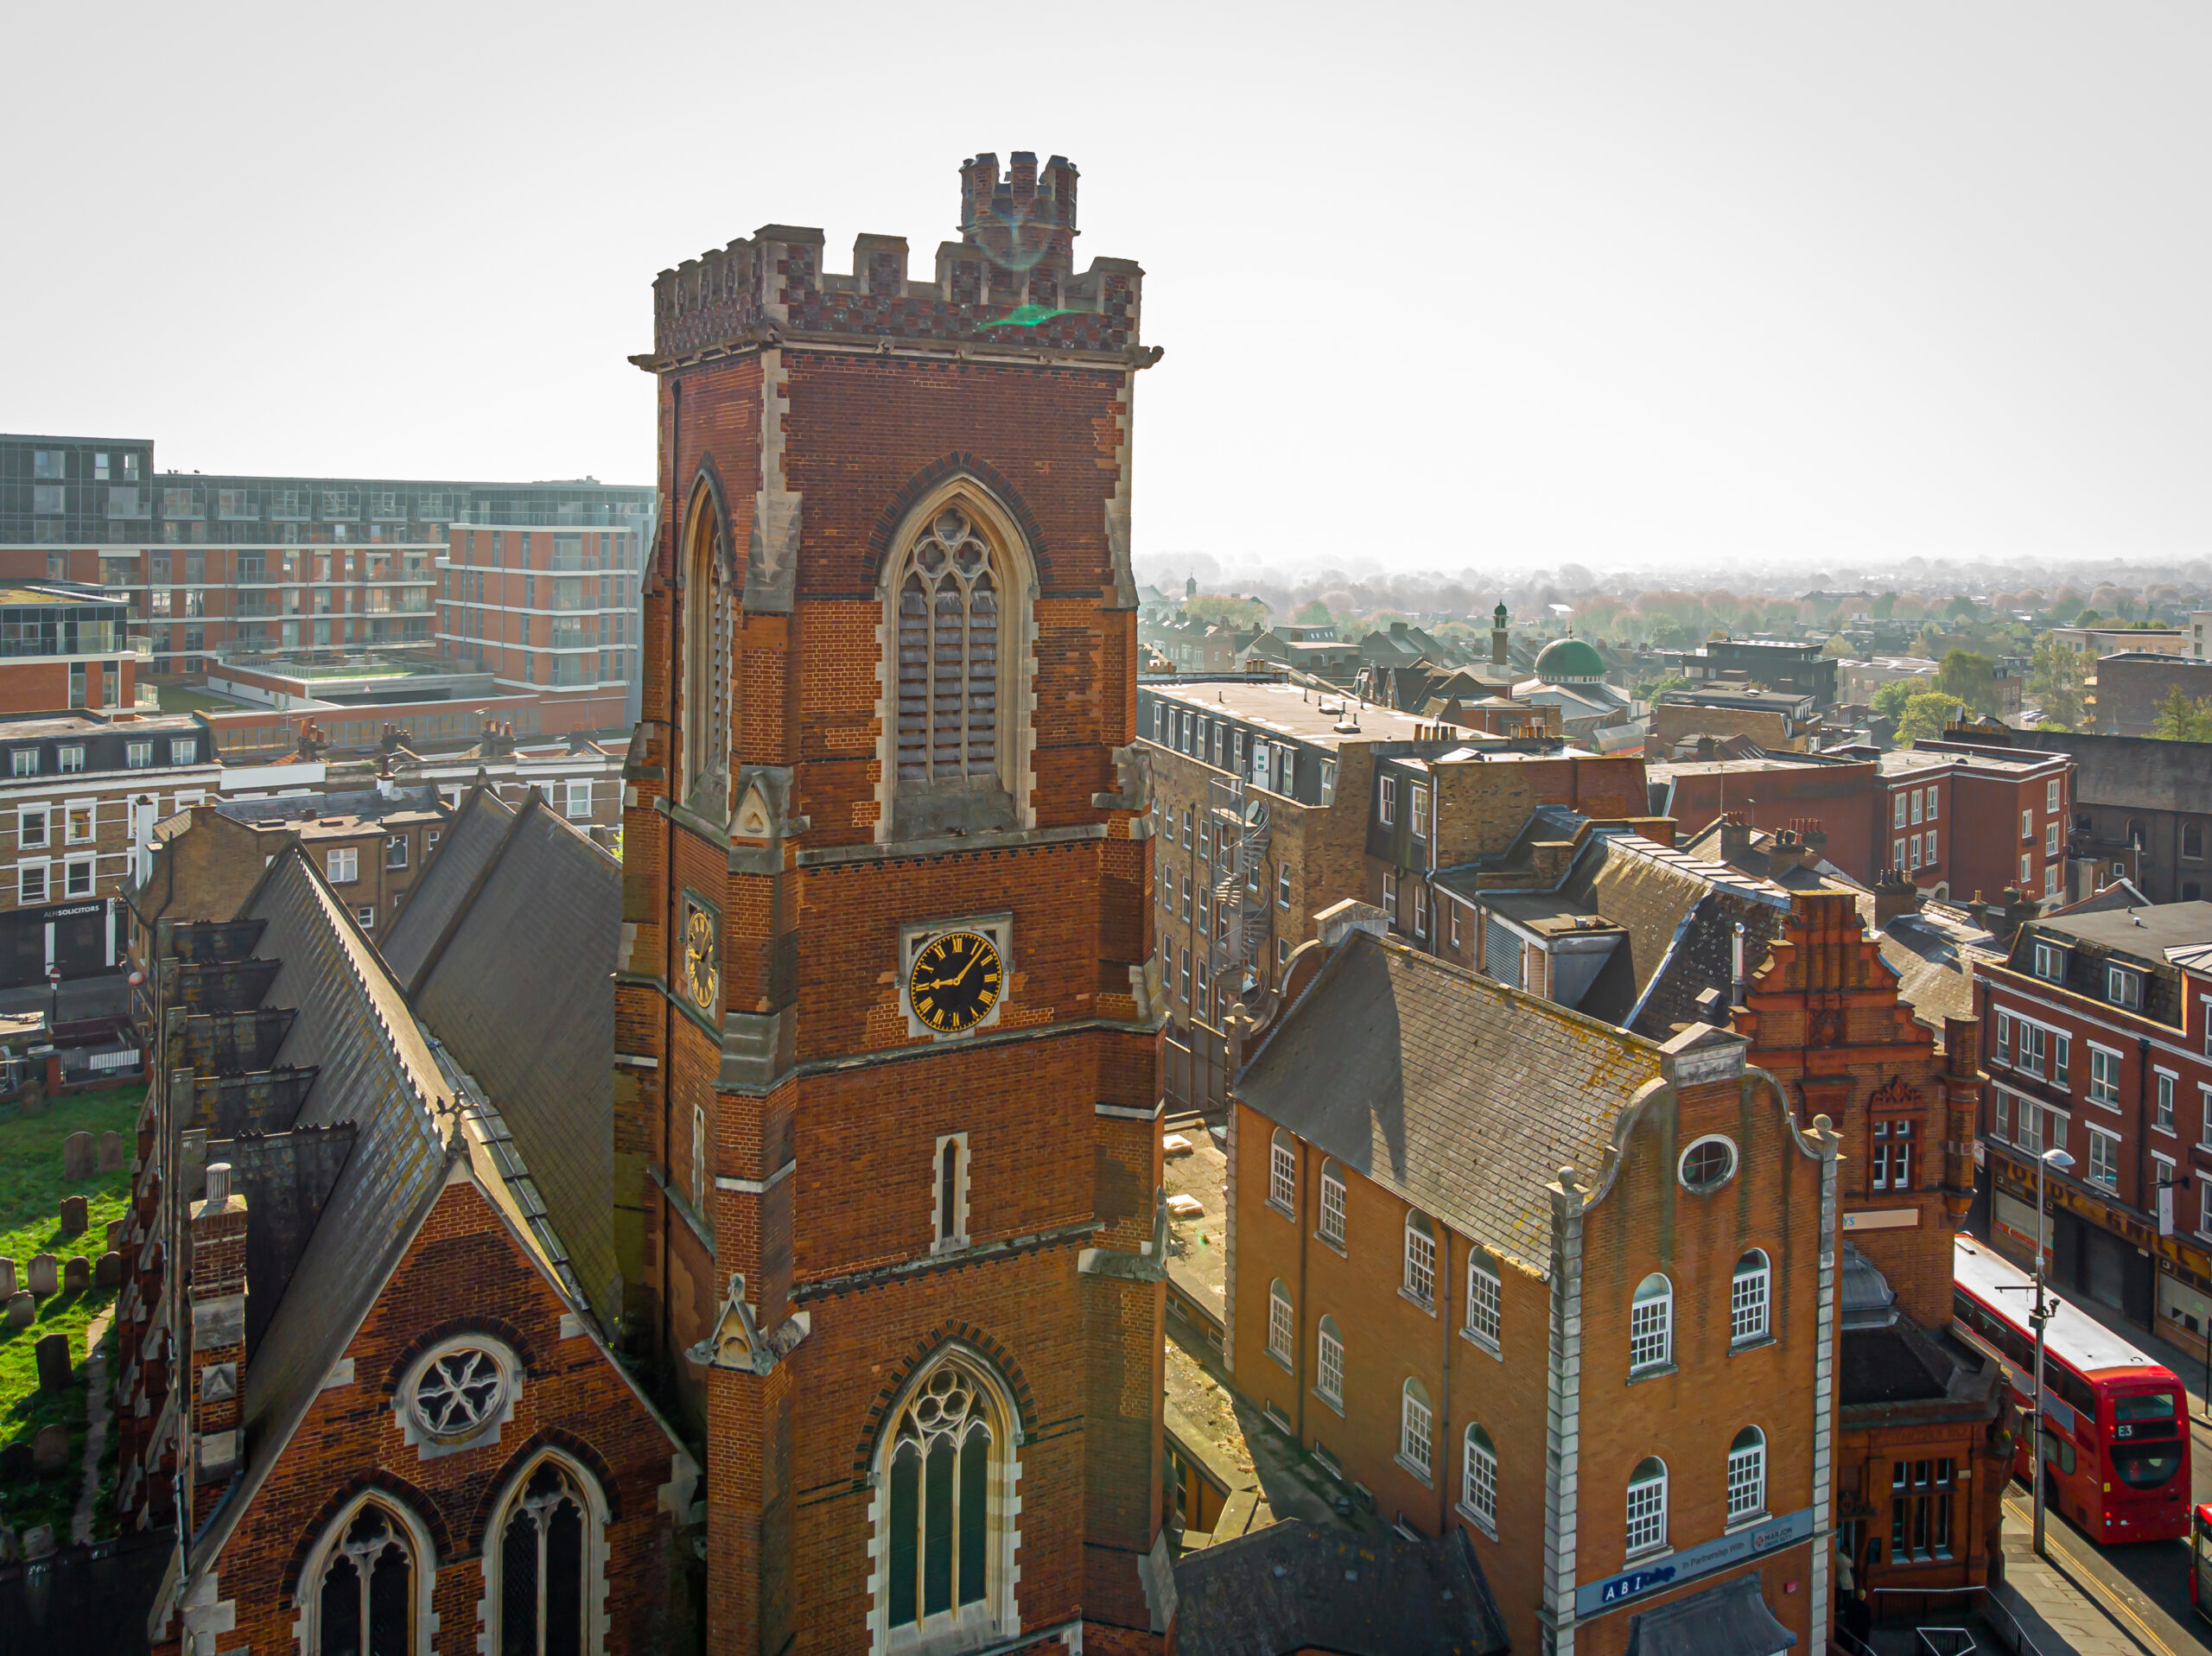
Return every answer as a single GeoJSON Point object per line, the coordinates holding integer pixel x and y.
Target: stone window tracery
{"type": "Point", "coordinates": [541, 1569]}
{"type": "Point", "coordinates": [458, 1392]}
{"type": "Point", "coordinates": [707, 621]}
{"type": "Point", "coordinates": [948, 596]}
{"type": "Point", "coordinates": [365, 1588]}
{"type": "Point", "coordinates": [942, 1511]}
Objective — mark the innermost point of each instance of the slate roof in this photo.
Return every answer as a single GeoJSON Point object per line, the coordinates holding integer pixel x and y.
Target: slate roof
{"type": "Point", "coordinates": [1459, 1094]}
{"type": "Point", "coordinates": [373, 1068]}
{"type": "Point", "coordinates": [2141, 932]}
{"type": "Point", "coordinates": [1731, 1618]}
{"type": "Point", "coordinates": [518, 986]}
{"type": "Point", "coordinates": [1296, 1586]}
{"type": "Point", "coordinates": [478, 827]}
{"type": "Point", "coordinates": [1933, 952]}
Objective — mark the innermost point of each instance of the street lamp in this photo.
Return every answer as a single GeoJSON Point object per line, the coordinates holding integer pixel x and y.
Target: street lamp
{"type": "Point", "coordinates": [2040, 1316]}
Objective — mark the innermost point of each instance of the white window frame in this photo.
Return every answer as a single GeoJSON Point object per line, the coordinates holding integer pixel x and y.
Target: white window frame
{"type": "Point", "coordinates": [2103, 1166]}
{"type": "Point", "coordinates": [1651, 1326]}
{"type": "Point", "coordinates": [78, 876]}
{"type": "Point", "coordinates": [1931, 848]}
{"type": "Point", "coordinates": [1917, 806]}
{"type": "Point", "coordinates": [33, 882]}
{"type": "Point", "coordinates": [2051, 839]}
{"type": "Point", "coordinates": [1933, 795]}
{"type": "Point", "coordinates": [2028, 824]}
{"type": "Point", "coordinates": [2103, 1090]}
{"type": "Point", "coordinates": [2166, 1083]}
{"type": "Point", "coordinates": [1282, 1173]}
{"type": "Point", "coordinates": [1485, 1324]}
{"type": "Point", "coordinates": [2050, 801]}
{"type": "Point", "coordinates": [1332, 1205]}
{"type": "Point", "coordinates": [1478, 1478]}
{"type": "Point", "coordinates": [1747, 1481]}
{"type": "Point", "coordinates": [26, 817]}
{"type": "Point", "coordinates": [85, 811]}
{"type": "Point", "coordinates": [1417, 810]}
{"type": "Point", "coordinates": [1900, 810]}
{"type": "Point", "coordinates": [1389, 799]}
{"type": "Point", "coordinates": [1421, 911]}
{"type": "Point", "coordinates": [1329, 1363]}
{"type": "Point", "coordinates": [1418, 1276]}
{"type": "Point", "coordinates": [1283, 888]}
{"type": "Point", "coordinates": [1647, 1510]}
{"type": "Point", "coordinates": [1751, 1294]}
{"type": "Point", "coordinates": [1282, 1321]}
{"type": "Point", "coordinates": [1417, 1428]}
{"type": "Point", "coordinates": [342, 864]}
{"type": "Point", "coordinates": [2124, 987]}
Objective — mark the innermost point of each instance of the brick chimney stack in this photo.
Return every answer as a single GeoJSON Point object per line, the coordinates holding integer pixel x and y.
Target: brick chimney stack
{"type": "Point", "coordinates": [1893, 894]}
{"type": "Point", "coordinates": [218, 1331]}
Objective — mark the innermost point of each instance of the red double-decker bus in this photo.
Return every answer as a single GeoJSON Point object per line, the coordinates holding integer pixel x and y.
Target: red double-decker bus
{"type": "Point", "coordinates": [2116, 1424]}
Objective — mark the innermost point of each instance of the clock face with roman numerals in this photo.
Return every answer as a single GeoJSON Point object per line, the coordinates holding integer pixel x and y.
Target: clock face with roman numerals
{"type": "Point", "coordinates": [956, 979]}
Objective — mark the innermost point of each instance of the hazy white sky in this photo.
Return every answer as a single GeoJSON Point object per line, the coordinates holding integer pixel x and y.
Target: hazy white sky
{"type": "Point", "coordinates": [1448, 284]}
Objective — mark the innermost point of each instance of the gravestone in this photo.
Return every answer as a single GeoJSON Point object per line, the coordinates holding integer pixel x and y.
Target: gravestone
{"type": "Point", "coordinates": [22, 1309]}
{"type": "Point", "coordinates": [7, 1280]}
{"type": "Point", "coordinates": [74, 1217]}
{"type": "Point", "coordinates": [38, 1542]}
{"type": "Point", "coordinates": [46, 1275]}
{"type": "Point", "coordinates": [32, 1100]}
{"type": "Point", "coordinates": [76, 1274]}
{"type": "Point", "coordinates": [53, 1363]}
{"type": "Point", "coordinates": [11, 1550]}
{"type": "Point", "coordinates": [118, 1235]}
{"type": "Point", "coordinates": [111, 1152]}
{"type": "Point", "coordinates": [15, 1462]}
{"type": "Point", "coordinates": [80, 1158]}
{"type": "Point", "coordinates": [108, 1272]}
{"type": "Point", "coordinates": [50, 1445]}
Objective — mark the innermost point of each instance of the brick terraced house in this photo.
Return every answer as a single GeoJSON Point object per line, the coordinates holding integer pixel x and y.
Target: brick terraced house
{"type": "Point", "coordinates": [2097, 1036]}
{"type": "Point", "coordinates": [1404, 1280]}
{"type": "Point", "coordinates": [887, 1162]}
{"type": "Point", "coordinates": [79, 796]}
{"type": "Point", "coordinates": [368, 1271]}
{"type": "Point", "coordinates": [1505, 1268]}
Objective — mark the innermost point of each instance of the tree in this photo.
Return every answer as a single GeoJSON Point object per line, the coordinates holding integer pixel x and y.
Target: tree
{"type": "Point", "coordinates": [2181, 720]}
{"type": "Point", "coordinates": [1313, 614]}
{"type": "Point", "coordinates": [1884, 607]}
{"type": "Point", "coordinates": [2056, 675]}
{"type": "Point", "coordinates": [1971, 677]}
{"type": "Point", "coordinates": [1227, 609]}
{"type": "Point", "coordinates": [1890, 699]}
{"type": "Point", "coordinates": [1838, 646]}
{"type": "Point", "coordinates": [1961, 608]}
{"type": "Point", "coordinates": [1925, 716]}
{"type": "Point", "coordinates": [1652, 689]}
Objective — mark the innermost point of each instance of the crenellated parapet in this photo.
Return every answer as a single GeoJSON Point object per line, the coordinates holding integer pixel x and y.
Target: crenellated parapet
{"type": "Point", "coordinates": [1010, 281]}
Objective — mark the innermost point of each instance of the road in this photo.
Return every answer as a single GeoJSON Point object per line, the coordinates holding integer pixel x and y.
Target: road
{"type": "Point", "coordinates": [2144, 1585]}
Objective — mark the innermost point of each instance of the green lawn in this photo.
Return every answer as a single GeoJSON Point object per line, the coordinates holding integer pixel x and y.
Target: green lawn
{"type": "Point", "coordinates": [185, 698]}
{"type": "Point", "coordinates": [31, 1188]}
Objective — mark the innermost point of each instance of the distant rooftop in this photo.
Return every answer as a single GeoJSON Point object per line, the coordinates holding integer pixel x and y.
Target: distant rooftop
{"type": "Point", "coordinates": [1294, 710]}
{"type": "Point", "coordinates": [2137, 932]}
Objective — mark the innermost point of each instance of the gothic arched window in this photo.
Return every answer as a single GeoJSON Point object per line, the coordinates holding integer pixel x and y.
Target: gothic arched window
{"type": "Point", "coordinates": [365, 1592]}
{"type": "Point", "coordinates": [704, 714]}
{"type": "Point", "coordinates": [943, 1540]}
{"type": "Point", "coordinates": [953, 635]}
{"type": "Point", "coordinates": [544, 1559]}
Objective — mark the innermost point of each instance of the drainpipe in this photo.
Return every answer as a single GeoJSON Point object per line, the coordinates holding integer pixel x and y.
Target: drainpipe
{"type": "Point", "coordinates": [1443, 1281]}
{"type": "Point", "coordinates": [1306, 1163]}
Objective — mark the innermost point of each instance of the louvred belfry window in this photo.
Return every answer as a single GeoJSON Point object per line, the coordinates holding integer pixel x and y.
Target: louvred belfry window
{"type": "Point", "coordinates": [949, 597]}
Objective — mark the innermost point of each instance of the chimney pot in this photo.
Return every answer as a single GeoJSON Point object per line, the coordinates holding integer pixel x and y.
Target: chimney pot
{"type": "Point", "coordinates": [219, 1183]}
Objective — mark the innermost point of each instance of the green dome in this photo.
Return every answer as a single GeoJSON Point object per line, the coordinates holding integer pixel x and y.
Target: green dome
{"type": "Point", "coordinates": [1569, 661]}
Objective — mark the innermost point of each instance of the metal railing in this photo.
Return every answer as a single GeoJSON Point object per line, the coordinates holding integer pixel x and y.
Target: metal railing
{"type": "Point", "coordinates": [2003, 1625]}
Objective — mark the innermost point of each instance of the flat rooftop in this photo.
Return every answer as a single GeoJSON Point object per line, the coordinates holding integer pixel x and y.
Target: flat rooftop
{"type": "Point", "coordinates": [2137, 931]}
{"type": "Point", "coordinates": [22, 595]}
{"type": "Point", "coordinates": [1660, 770]}
{"type": "Point", "coordinates": [1294, 710]}
{"type": "Point", "coordinates": [1902, 761]}
{"type": "Point", "coordinates": [80, 724]}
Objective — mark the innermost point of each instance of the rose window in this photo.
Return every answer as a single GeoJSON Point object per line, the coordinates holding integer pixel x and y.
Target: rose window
{"type": "Point", "coordinates": [459, 1393]}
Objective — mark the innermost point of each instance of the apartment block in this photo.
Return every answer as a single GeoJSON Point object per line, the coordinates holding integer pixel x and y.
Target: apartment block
{"type": "Point", "coordinates": [2097, 1036]}
{"type": "Point", "coordinates": [224, 568]}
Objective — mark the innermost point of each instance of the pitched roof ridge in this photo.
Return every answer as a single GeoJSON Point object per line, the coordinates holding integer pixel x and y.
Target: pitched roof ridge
{"type": "Point", "coordinates": [459, 917]}
{"type": "Point", "coordinates": [1628, 1039]}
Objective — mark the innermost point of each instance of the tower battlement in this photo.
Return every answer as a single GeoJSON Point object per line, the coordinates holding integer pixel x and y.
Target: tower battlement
{"type": "Point", "coordinates": [1010, 280]}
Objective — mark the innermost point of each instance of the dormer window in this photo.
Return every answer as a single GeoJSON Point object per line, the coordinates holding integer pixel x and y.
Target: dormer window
{"type": "Point", "coordinates": [2124, 987]}
{"type": "Point", "coordinates": [2050, 962]}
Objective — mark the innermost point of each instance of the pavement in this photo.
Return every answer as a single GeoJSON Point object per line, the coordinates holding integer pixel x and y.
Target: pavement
{"type": "Point", "coordinates": [95, 997]}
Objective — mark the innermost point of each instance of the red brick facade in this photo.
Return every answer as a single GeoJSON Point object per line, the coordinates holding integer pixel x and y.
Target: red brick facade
{"type": "Point", "coordinates": [803, 1262]}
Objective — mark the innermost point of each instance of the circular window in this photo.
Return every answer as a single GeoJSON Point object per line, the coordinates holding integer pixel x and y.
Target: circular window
{"type": "Point", "coordinates": [459, 1391]}
{"type": "Point", "coordinates": [1709, 1164]}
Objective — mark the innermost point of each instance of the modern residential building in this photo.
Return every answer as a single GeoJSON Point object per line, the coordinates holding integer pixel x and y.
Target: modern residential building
{"type": "Point", "coordinates": [79, 796]}
{"type": "Point", "coordinates": [64, 645]}
{"type": "Point", "coordinates": [2095, 1031]}
{"type": "Point", "coordinates": [216, 568]}
{"type": "Point", "coordinates": [2105, 641]}
{"type": "Point", "coordinates": [1786, 666]}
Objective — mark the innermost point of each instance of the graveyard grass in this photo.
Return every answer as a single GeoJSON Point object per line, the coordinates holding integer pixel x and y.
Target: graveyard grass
{"type": "Point", "coordinates": [31, 1188]}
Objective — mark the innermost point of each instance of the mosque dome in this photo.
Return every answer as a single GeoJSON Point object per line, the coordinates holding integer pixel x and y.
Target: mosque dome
{"type": "Point", "coordinates": [1569, 661]}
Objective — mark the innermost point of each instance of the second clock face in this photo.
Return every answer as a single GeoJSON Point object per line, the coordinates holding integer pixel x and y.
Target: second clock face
{"type": "Point", "coordinates": [955, 981]}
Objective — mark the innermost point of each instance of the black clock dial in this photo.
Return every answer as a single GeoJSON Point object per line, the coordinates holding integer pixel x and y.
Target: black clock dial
{"type": "Point", "coordinates": [955, 981]}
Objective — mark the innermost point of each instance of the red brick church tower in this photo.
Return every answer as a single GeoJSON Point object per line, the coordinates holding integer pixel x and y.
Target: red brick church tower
{"type": "Point", "coordinates": [887, 1161]}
